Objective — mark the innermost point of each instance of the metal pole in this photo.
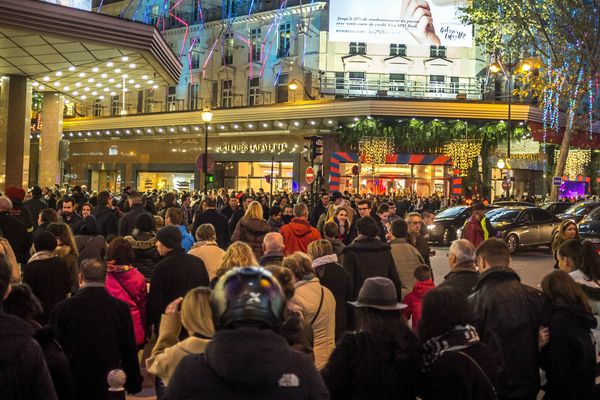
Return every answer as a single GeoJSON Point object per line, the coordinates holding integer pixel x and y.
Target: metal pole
{"type": "Point", "coordinates": [271, 181]}
{"type": "Point", "coordinates": [205, 160]}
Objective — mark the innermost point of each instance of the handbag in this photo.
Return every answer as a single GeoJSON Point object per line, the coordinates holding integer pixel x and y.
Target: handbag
{"type": "Point", "coordinates": [481, 371]}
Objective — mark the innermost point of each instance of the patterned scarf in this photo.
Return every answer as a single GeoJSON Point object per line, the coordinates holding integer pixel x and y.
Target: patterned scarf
{"type": "Point", "coordinates": [112, 266]}
{"type": "Point", "coordinates": [460, 337]}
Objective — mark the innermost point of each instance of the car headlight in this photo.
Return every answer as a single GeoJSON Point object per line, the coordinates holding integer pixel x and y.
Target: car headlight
{"type": "Point", "coordinates": [430, 227]}
{"type": "Point", "coordinates": [459, 233]}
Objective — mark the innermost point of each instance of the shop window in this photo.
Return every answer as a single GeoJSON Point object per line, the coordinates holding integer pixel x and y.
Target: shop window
{"type": "Point", "coordinates": [228, 45]}
{"type": "Point", "coordinates": [114, 106]}
{"type": "Point", "coordinates": [358, 48]}
{"type": "Point", "coordinates": [98, 108]}
{"type": "Point", "coordinates": [339, 80]}
{"type": "Point", "coordinates": [398, 50]}
{"type": "Point", "coordinates": [172, 98]}
{"type": "Point", "coordinates": [246, 175]}
{"type": "Point", "coordinates": [193, 96]}
{"type": "Point", "coordinates": [255, 42]}
{"type": "Point", "coordinates": [357, 80]}
{"type": "Point", "coordinates": [285, 40]}
{"type": "Point", "coordinates": [437, 51]}
{"type": "Point", "coordinates": [253, 91]}
{"type": "Point", "coordinates": [227, 93]}
{"type": "Point", "coordinates": [282, 88]}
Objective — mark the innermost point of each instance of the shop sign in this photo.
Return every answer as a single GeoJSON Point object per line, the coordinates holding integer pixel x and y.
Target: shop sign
{"type": "Point", "coordinates": [557, 181]}
{"type": "Point", "coordinates": [252, 147]}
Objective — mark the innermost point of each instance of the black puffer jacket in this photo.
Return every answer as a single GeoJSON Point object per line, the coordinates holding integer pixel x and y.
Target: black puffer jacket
{"type": "Point", "coordinates": [508, 316]}
{"type": "Point", "coordinates": [247, 363]}
{"type": "Point", "coordinates": [367, 257]}
{"type": "Point", "coordinates": [145, 255]}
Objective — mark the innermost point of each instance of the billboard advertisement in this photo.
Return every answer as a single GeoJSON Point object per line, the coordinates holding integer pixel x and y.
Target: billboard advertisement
{"type": "Point", "coordinates": [426, 22]}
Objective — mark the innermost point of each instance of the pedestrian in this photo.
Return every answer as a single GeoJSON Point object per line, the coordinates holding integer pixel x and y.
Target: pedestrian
{"type": "Point", "coordinates": [218, 220]}
{"type": "Point", "coordinates": [192, 313]}
{"type": "Point", "coordinates": [69, 215]}
{"type": "Point", "coordinates": [174, 217]}
{"type": "Point", "coordinates": [381, 359]}
{"type": "Point", "coordinates": [246, 358]}
{"type": "Point", "coordinates": [383, 226]}
{"type": "Point", "coordinates": [345, 228]}
{"type": "Point", "coordinates": [67, 250]}
{"type": "Point", "coordinates": [246, 200]}
{"type": "Point", "coordinates": [35, 205]}
{"type": "Point", "coordinates": [89, 243]}
{"type": "Point", "coordinates": [414, 300]}
{"type": "Point", "coordinates": [567, 230]}
{"type": "Point", "coordinates": [105, 216]}
{"type": "Point", "coordinates": [126, 283]}
{"type": "Point", "coordinates": [316, 303]}
{"type": "Point", "coordinates": [239, 254]}
{"type": "Point", "coordinates": [207, 249]}
{"type": "Point", "coordinates": [96, 332]}
{"type": "Point", "coordinates": [330, 233]}
{"type": "Point", "coordinates": [478, 228]}
{"type": "Point", "coordinates": [136, 207]}
{"type": "Point", "coordinates": [457, 365]}
{"type": "Point", "coordinates": [367, 257]}
{"type": "Point", "coordinates": [45, 218]}
{"type": "Point", "coordinates": [252, 228]}
{"type": "Point", "coordinates": [298, 233]}
{"type": "Point", "coordinates": [14, 231]}
{"type": "Point", "coordinates": [275, 220]}
{"type": "Point", "coordinates": [414, 236]}
{"type": "Point", "coordinates": [174, 275]}
{"type": "Point", "coordinates": [569, 358]}
{"type": "Point", "coordinates": [143, 242]}
{"type": "Point", "coordinates": [518, 313]}
{"type": "Point", "coordinates": [463, 271]}
{"type": "Point", "coordinates": [19, 211]}
{"type": "Point", "coordinates": [335, 278]}
{"type": "Point", "coordinates": [24, 374]}
{"type": "Point", "coordinates": [86, 210]}
{"type": "Point", "coordinates": [47, 275]}
{"type": "Point", "coordinates": [406, 256]}
{"type": "Point", "coordinates": [320, 208]}
{"type": "Point", "coordinates": [272, 250]}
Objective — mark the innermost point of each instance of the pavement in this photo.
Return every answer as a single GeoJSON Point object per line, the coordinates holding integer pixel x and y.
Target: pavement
{"type": "Point", "coordinates": [532, 265]}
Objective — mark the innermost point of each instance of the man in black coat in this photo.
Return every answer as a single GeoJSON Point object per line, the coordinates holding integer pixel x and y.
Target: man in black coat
{"type": "Point", "coordinates": [35, 205]}
{"type": "Point", "coordinates": [232, 205]}
{"type": "Point", "coordinates": [321, 208]}
{"type": "Point", "coordinates": [415, 223]}
{"type": "Point", "coordinates": [216, 219]}
{"type": "Point", "coordinates": [463, 271]}
{"type": "Point", "coordinates": [273, 247]}
{"type": "Point", "coordinates": [23, 371]}
{"type": "Point", "coordinates": [13, 230]}
{"type": "Point", "coordinates": [136, 207]}
{"type": "Point", "coordinates": [69, 216]}
{"type": "Point", "coordinates": [174, 275]}
{"type": "Point", "coordinates": [508, 316]}
{"type": "Point", "coordinates": [96, 333]}
{"type": "Point", "coordinates": [105, 215]}
{"type": "Point", "coordinates": [367, 257]}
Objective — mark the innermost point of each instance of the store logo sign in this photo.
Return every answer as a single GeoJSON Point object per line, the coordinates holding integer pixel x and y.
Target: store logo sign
{"type": "Point", "coordinates": [253, 148]}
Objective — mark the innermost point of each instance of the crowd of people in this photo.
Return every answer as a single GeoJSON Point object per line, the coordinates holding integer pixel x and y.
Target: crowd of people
{"type": "Point", "coordinates": [247, 296]}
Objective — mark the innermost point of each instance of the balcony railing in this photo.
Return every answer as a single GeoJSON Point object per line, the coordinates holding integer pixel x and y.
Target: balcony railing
{"type": "Point", "coordinates": [414, 86]}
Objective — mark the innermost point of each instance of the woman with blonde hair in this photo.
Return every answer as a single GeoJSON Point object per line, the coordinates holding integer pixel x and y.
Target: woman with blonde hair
{"type": "Point", "coordinates": [316, 304]}
{"type": "Point", "coordinates": [325, 217]}
{"type": "Point", "coordinates": [195, 317]}
{"type": "Point", "coordinates": [239, 254]}
{"type": "Point", "coordinates": [67, 250]}
{"type": "Point", "coordinates": [567, 230]}
{"type": "Point", "coordinates": [252, 228]}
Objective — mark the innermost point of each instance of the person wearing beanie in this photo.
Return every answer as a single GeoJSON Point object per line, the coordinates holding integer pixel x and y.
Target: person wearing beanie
{"type": "Point", "coordinates": [174, 275]}
{"type": "Point", "coordinates": [143, 241]}
{"type": "Point", "coordinates": [47, 274]}
{"type": "Point", "coordinates": [35, 205]}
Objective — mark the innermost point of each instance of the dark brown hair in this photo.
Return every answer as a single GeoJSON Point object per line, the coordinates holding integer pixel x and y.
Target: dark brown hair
{"type": "Point", "coordinates": [561, 289]}
{"type": "Point", "coordinates": [120, 251]}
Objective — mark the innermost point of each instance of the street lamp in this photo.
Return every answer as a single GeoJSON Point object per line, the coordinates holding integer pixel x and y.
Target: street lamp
{"type": "Point", "coordinates": [206, 117]}
{"type": "Point", "coordinates": [295, 84]}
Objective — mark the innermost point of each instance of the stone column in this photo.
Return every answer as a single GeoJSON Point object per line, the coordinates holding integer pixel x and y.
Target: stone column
{"type": "Point", "coordinates": [52, 126]}
{"type": "Point", "coordinates": [15, 128]}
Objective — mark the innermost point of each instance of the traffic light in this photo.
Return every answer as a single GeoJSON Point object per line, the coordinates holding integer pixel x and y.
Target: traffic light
{"type": "Point", "coordinates": [314, 145]}
{"type": "Point", "coordinates": [210, 178]}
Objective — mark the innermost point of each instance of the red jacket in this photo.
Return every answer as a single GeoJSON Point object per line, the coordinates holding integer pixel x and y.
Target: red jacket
{"type": "Point", "coordinates": [297, 235]}
{"type": "Point", "coordinates": [414, 301]}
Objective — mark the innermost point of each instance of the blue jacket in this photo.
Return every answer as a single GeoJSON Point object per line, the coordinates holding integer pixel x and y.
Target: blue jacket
{"type": "Point", "coordinates": [187, 240]}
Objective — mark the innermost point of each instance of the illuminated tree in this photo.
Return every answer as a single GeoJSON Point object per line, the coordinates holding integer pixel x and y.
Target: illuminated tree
{"type": "Point", "coordinates": [562, 37]}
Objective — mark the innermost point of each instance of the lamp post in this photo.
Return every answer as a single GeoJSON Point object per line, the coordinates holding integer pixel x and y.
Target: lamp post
{"type": "Point", "coordinates": [206, 118]}
{"type": "Point", "coordinates": [295, 84]}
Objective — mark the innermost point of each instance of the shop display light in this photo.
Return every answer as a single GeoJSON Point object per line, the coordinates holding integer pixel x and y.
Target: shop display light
{"type": "Point", "coordinates": [463, 153]}
{"type": "Point", "coordinates": [577, 161]}
{"type": "Point", "coordinates": [374, 150]}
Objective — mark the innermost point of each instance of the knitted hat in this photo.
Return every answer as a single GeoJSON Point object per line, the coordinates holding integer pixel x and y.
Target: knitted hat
{"type": "Point", "coordinates": [144, 222]}
{"type": "Point", "coordinates": [44, 241]}
{"type": "Point", "coordinates": [16, 194]}
{"type": "Point", "coordinates": [170, 237]}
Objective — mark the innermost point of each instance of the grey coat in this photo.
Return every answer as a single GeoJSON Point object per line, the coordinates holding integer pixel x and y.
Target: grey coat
{"type": "Point", "coordinates": [406, 257]}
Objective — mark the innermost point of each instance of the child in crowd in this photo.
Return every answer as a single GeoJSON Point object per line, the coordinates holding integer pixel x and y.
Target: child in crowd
{"type": "Point", "coordinates": [414, 300]}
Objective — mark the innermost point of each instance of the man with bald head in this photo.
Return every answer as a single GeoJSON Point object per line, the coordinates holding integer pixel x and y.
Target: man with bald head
{"type": "Point", "coordinates": [273, 247]}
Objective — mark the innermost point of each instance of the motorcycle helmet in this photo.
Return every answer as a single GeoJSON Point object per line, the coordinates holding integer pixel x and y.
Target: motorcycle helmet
{"type": "Point", "coordinates": [247, 296]}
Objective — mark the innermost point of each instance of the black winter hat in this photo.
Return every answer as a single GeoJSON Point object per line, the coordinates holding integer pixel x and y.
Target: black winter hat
{"type": "Point", "coordinates": [170, 237]}
{"type": "Point", "coordinates": [145, 223]}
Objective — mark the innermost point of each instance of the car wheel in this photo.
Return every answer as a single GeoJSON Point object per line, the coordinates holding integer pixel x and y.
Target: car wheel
{"type": "Point", "coordinates": [512, 241]}
{"type": "Point", "coordinates": [447, 237]}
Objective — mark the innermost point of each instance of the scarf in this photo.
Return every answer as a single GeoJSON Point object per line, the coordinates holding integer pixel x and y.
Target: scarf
{"type": "Point", "coordinates": [460, 337]}
{"type": "Point", "coordinates": [42, 255]}
{"type": "Point", "coordinates": [328, 259]}
{"type": "Point", "coordinates": [112, 266]}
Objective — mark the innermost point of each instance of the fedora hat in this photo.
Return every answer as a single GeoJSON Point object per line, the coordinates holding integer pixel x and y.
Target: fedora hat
{"type": "Point", "coordinates": [379, 293]}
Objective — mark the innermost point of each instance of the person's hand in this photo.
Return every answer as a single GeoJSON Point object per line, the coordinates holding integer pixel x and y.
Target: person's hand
{"type": "Point", "coordinates": [543, 336]}
{"type": "Point", "coordinates": [173, 307]}
{"type": "Point", "coordinates": [419, 11]}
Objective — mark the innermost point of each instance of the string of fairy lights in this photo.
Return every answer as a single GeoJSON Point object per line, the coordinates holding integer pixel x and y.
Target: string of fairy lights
{"type": "Point", "coordinates": [463, 154]}
{"type": "Point", "coordinates": [577, 161]}
{"type": "Point", "coordinates": [374, 150]}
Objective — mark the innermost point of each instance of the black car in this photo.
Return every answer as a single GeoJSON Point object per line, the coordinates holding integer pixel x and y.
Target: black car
{"type": "Point", "coordinates": [579, 210]}
{"type": "Point", "coordinates": [446, 223]}
{"type": "Point", "coordinates": [589, 228]}
{"type": "Point", "coordinates": [556, 207]}
{"type": "Point", "coordinates": [513, 203]}
{"type": "Point", "coordinates": [523, 226]}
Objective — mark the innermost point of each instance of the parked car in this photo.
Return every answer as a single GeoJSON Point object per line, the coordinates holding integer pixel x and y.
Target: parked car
{"type": "Point", "coordinates": [513, 203]}
{"type": "Point", "coordinates": [589, 228]}
{"type": "Point", "coordinates": [556, 207]}
{"type": "Point", "coordinates": [579, 210]}
{"type": "Point", "coordinates": [447, 223]}
{"type": "Point", "coordinates": [523, 226]}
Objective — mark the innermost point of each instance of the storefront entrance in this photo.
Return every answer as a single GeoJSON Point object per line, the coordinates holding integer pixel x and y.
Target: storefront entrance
{"type": "Point", "coordinates": [165, 181]}
{"type": "Point", "coordinates": [105, 180]}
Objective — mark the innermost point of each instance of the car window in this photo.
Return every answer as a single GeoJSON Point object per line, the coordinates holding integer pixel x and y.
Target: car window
{"type": "Point", "coordinates": [574, 209]}
{"type": "Point", "coordinates": [541, 215]}
{"type": "Point", "coordinates": [525, 217]}
{"type": "Point", "coordinates": [451, 212]}
{"type": "Point", "coordinates": [502, 215]}
{"type": "Point", "coordinates": [595, 215]}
